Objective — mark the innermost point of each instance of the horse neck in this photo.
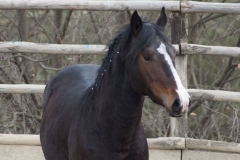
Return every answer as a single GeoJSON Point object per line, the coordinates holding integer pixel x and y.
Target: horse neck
{"type": "Point", "coordinates": [120, 107]}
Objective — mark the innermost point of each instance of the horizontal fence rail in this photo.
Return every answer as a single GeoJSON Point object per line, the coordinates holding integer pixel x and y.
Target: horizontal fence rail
{"type": "Point", "coordinates": [167, 143]}
{"type": "Point", "coordinates": [90, 5]}
{"type": "Point", "coordinates": [20, 139]}
{"type": "Point", "coordinates": [197, 94]}
{"type": "Point", "coordinates": [210, 50]}
{"type": "Point", "coordinates": [201, 144]}
{"type": "Point", "coordinates": [184, 7]}
{"type": "Point", "coordinates": [214, 95]}
{"type": "Point", "coordinates": [45, 48]}
{"type": "Point", "coordinates": [210, 7]}
{"type": "Point", "coordinates": [22, 88]}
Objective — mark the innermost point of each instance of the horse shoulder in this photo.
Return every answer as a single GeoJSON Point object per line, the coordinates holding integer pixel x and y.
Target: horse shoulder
{"type": "Point", "coordinates": [74, 77]}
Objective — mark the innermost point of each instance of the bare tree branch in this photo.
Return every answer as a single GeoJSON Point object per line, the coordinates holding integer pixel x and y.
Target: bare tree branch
{"type": "Point", "coordinates": [41, 26]}
{"type": "Point", "coordinates": [47, 68]}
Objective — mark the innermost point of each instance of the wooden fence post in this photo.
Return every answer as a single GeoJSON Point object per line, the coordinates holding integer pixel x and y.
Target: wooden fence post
{"type": "Point", "coordinates": [178, 21]}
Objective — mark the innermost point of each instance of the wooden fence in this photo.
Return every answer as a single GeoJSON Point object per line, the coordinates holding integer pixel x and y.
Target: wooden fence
{"type": "Point", "coordinates": [211, 95]}
{"type": "Point", "coordinates": [183, 6]}
{"type": "Point", "coordinates": [27, 147]}
{"type": "Point", "coordinates": [175, 6]}
{"type": "Point", "coordinates": [70, 49]}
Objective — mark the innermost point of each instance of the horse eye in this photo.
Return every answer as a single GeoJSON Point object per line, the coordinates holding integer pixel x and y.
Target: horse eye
{"type": "Point", "coordinates": [147, 57]}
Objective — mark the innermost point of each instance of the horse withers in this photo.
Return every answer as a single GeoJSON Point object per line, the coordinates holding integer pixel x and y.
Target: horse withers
{"type": "Point", "coordinates": [93, 112]}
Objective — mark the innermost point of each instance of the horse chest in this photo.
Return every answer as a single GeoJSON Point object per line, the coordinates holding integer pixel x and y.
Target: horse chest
{"type": "Point", "coordinates": [107, 148]}
{"type": "Point", "coordinates": [93, 153]}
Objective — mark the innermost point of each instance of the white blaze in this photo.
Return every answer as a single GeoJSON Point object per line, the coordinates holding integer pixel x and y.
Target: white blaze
{"type": "Point", "coordinates": [182, 92]}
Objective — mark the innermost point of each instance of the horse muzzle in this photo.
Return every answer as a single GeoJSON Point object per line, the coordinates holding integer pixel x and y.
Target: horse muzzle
{"type": "Point", "coordinates": [179, 108]}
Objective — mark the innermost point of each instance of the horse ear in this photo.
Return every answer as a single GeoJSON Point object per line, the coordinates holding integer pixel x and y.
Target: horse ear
{"type": "Point", "coordinates": [136, 23]}
{"type": "Point", "coordinates": [162, 20]}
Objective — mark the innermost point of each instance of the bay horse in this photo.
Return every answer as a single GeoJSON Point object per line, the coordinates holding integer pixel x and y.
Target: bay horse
{"type": "Point", "coordinates": [93, 112]}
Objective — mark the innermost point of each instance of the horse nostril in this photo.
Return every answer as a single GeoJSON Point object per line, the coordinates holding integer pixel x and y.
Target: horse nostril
{"type": "Point", "coordinates": [176, 106]}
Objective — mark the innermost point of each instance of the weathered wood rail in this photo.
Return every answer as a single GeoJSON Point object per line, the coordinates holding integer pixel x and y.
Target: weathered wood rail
{"type": "Point", "coordinates": [46, 48]}
{"type": "Point", "coordinates": [200, 94]}
{"type": "Point", "coordinates": [74, 49]}
{"type": "Point", "coordinates": [209, 7]}
{"type": "Point", "coordinates": [89, 5]}
{"type": "Point", "coordinates": [195, 49]}
{"type": "Point", "coordinates": [28, 147]}
{"type": "Point", "coordinates": [184, 7]}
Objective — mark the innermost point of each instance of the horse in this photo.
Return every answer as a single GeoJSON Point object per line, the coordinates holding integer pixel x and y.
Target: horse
{"type": "Point", "coordinates": [93, 112]}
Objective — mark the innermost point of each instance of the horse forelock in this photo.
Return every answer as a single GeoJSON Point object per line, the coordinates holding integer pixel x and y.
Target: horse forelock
{"type": "Point", "coordinates": [145, 37]}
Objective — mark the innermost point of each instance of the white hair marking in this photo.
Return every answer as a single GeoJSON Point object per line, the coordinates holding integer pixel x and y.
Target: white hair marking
{"type": "Point", "coordinates": [182, 92]}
